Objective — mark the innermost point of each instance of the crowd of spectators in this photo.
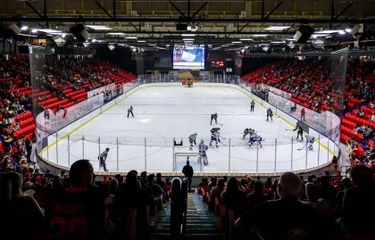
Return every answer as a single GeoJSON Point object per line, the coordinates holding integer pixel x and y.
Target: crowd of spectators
{"type": "Point", "coordinates": [313, 84]}
{"type": "Point", "coordinates": [79, 206]}
{"type": "Point", "coordinates": [53, 78]}
{"type": "Point", "coordinates": [293, 207]}
{"type": "Point", "coordinates": [14, 74]}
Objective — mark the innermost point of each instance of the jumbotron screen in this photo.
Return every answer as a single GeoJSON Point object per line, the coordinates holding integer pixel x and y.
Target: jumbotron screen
{"type": "Point", "coordinates": [188, 57]}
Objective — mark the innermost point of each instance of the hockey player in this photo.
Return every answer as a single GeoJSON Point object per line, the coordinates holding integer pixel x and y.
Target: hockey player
{"type": "Point", "coordinates": [103, 158]}
{"type": "Point", "coordinates": [255, 138]}
{"type": "Point", "coordinates": [130, 111]}
{"type": "Point", "coordinates": [299, 130]}
{"type": "Point", "coordinates": [215, 136]}
{"type": "Point", "coordinates": [293, 108]}
{"type": "Point", "coordinates": [310, 141]}
{"type": "Point", "coordinates": [249, 131]}
{"type": "Point", "coordinates": [202, 152]}
{"type": "Point", "coordinates": [252, 104]}
{"type": "Point", "coordinates": [192, 140]}
{"type": "Point", "coordinates": [213, 117]}
{"type": "Point", "coordinates": [245, 132]}
{"type": "Point", "coordinates": [269, 114]}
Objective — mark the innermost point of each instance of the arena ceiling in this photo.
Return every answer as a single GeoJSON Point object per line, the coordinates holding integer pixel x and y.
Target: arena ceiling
{"type": "Point", "coordinates": [148, 23]}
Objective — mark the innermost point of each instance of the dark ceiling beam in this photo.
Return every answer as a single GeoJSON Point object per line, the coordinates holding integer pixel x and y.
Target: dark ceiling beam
{"type": "Point", "coordinates": [200, 9]}
{"type": "Point", "coordinates": [114, 8]}
{"type": "Point", "coordinates": [242, 28]}
{"type": "Point", "coordinates": [174, 20]}
{"type": "Point", "coordinates": [343, 10]}
{"type": "Point", "coordinates": [273, 9]}
{"type": "Point", "coordinates": [41, 16]}
{"type": "Point", "coordinates": [135, 27]}
{"type": "Point", "coordinates": [188, 8]}
{"type": "Point", "coordinates": [104, 10]}
{"type": "Point", "coordinates": [35, 10]}
{"type": "Point", "coordinates": [177, 9]}
{"type": "Point", "coordinates": [45, 9]}
{"type": "Point", "coordinates": [262, 16]}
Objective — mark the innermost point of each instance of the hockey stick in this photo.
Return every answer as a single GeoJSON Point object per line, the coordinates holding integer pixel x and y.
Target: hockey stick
{"type": "Point", "coordinates": [287, 129]}
{"type": "Point", "coordinates": [223, 144]}
{"type": "Point", "coordinates": [220, 124]}
{"type": "Point", "coordinates": [299, 149]}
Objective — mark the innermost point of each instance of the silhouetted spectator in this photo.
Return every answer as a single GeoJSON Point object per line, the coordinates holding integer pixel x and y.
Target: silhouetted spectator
{"type": "Point", "coordinates": [188, 171]}
{"type": "Point", "coordinates": [79, 206]}
{"type": "Point", "coordinates": [356, 213]}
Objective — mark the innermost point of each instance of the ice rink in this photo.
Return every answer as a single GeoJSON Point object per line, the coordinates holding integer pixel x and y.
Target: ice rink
{"type": "Point", "coordinates": [166, 112]}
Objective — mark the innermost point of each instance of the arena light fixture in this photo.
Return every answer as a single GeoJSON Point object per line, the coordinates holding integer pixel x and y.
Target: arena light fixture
{"type": "Point", "coordinates": [188, 39]}
{"type": "Point", "coordinates": [326, 31]}
{"type": "Point", "coordinates": [319, 35]}
{"type": "Point", "coordinates": [24, 28]}
{"type": "Point", "coordinates": [259, 35]}
{"type": "Point", "coordinates": [50, 31]}
{"type": "Point", "coordinates": [116, 33]}
{"type": "Point", "coordinates": [111, 47]}
{"type": "Point", "coordinates": [265, 48]}
{"type": "Point", "coordinates": [246, 39]}
{"type": "Point", "coordinates": [141, 41]}
{"type": "Point", "coordinates": [98, 27]}
{"type": "Point", "coordinates": [236, 42]}
{"type": "Point", "coordinates": [276, 28]}
{"type": "Point", "coordinates": [187, 34]}
{"type": "Point", "coordinates": [131, 37]}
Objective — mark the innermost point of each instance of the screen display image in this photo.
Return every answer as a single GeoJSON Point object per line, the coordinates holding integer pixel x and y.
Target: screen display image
{"type": "Point", "coordinates": [188, 57]}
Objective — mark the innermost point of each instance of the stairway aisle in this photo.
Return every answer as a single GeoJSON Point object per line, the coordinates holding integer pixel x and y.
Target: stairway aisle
{"type": "Point", "coordinates": [200, 223]}
{"type": "Point", "coordinates": [159, 229]}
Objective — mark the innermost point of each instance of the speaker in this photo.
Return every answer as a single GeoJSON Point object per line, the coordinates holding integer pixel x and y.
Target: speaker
{"type": "Point", "coordinates": [181, 26]}
{"type": "Point", "coordinates": [303, 33]}
{"type": "Point", "coordinates": [9, 29]}
{"type": "Point", "coordinates": [79, 31]}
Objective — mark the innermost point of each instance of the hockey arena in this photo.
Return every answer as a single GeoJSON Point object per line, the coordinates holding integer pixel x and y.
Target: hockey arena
{"type": "Point", "coordinates": [187, 119]}
{"type": "Point", "coordinates": [166, 114]}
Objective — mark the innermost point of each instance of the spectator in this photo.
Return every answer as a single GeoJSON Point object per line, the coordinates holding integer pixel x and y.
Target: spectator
{"type": "Point", "coordinates": [161, 183]}
{"type": "Point", "coordinates": [24, 211]}
{"type": "Point", "coordinates": [256, 197]}
{"type": "Point", "coordinates": [232, 197]}
{"type": "Point", "coordinates": [354, 208]}
{"type": "Point", "coordinates": [216, 193]}
{"type": "Point", "coordinates": [188, 172]}
{"type": "Point", "coordinates": [78, 202]}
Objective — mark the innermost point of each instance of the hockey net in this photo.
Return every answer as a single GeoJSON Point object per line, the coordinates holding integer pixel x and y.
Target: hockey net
{"type": "Point", "coordinates": [180, 158]}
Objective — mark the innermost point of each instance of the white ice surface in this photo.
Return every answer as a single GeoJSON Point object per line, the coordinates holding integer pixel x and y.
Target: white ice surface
{"type": "Point", "coordinates": [172, 111]}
